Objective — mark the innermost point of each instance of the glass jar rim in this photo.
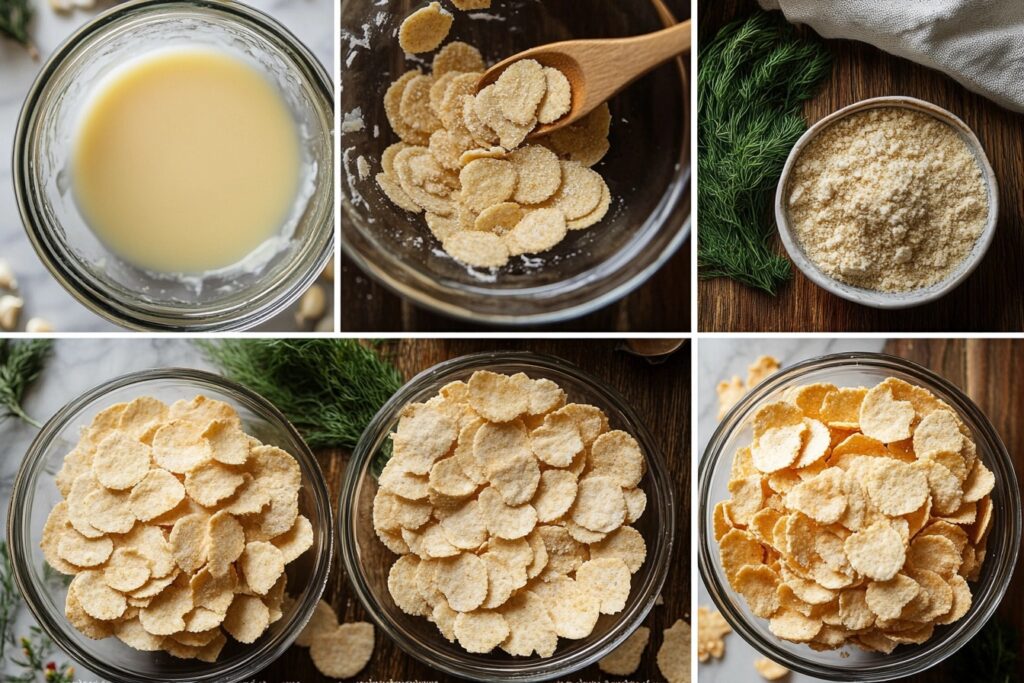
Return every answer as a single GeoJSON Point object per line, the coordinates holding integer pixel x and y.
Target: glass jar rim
{"type": "Point", "coordinates": [277, 293]}
{"type": "Point", "coordinates": [888, 669]}
{"type": "Point", "coordinates": [20, 538]}
{"type": "Point", "coordinates": [534, 669]}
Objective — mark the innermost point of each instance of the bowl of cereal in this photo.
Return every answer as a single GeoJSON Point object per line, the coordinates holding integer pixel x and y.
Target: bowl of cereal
{"type": "Point", "coordinates": [890, 202]}
{"type": "Point", "coordinates": [170, 525]}
{"type": "Point", "coordinates": [538, 540]}
{"type": "Point", "coordinates": [887, 528]}
{"type": "Point", "coordinates": [446, 202]}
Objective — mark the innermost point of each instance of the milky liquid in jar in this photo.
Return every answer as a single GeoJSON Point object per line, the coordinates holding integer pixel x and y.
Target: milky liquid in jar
{"type": "Point", "coordinates": [185, 160]}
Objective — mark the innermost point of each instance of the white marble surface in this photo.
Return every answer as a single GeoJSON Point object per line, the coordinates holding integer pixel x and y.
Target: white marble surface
{"type": "Point", "coordinates": [77, 366]}
{"type": "Point", "coordinates": [311, 21]}
{"type": "Point", "coordinates": [719, 359]}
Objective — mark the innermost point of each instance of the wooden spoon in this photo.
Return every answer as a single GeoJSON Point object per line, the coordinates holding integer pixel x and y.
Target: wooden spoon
{"type": "Point", "coordinates": [599, 69]}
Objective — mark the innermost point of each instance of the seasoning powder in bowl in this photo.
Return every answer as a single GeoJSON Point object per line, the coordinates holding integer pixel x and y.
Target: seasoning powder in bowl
{"type": "Point", "coordinates": [889, 199]}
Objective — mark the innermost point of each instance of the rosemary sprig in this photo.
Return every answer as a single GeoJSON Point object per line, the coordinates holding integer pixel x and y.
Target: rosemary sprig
{"type": "Point", "coordinates": [329, 389]}
{"type": "Point", "coordinates": [21, 362]}
{"type": "Point", "coordinates": [10, 599]}
{"type": "Point", "coordinates": [15, 16]}
{"type": "Point", "coordinates": [753, 78]}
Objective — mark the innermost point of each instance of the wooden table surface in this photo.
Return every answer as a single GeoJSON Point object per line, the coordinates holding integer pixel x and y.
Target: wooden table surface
{"type": "Point", "coordinates": [992, 298]}
{"type": "Point", "coordinates": [659, 393]}
{"type": "Point", "coordinates": [991, 372]}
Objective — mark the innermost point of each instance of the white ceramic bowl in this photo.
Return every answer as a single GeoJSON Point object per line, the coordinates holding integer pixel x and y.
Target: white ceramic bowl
{"type": "Point", "coordinates": [870, 297]}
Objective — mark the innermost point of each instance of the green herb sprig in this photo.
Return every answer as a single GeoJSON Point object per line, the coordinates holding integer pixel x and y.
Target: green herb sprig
{"type": "Point", "coordinates": [329, 389]}
{"type": "Point", "coordinates": [15, 16]}
{"type": "Point", "coordinates": [21, 363]}
{"type": "Point", "coordinates": [753, 78]}
{"type": "Point", "coordinates": [10, 599]}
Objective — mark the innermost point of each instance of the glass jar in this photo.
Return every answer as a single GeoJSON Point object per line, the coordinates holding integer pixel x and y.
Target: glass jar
{"type": "Point", "coordinates": [368, 562]}
{"type": "Point", "coordinates": [232, 298]}
{"type": "Point", "coordinates": [851, 663]}
{"type": "Point", "coordinates": [35, 494]}
{"type": "Point", "coordinates": [647, 170]}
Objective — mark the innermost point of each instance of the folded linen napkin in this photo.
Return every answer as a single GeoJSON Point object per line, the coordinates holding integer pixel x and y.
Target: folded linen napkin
{"type": "Point", "coordinates": [980, 43]}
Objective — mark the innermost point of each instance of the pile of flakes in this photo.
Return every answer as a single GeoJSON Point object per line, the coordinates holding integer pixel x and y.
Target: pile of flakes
{"type": "Point", "coordinates": [712, 628]}
{"type": "Point", "coordinates": [462, 160]}
{"type": "Point", "coordinates": [176, 526]}
{"type": "Point", "coordinates": [732, 390]}
{"type": "Point", "coordinates": [510, 510]}
{"type": "Point", "coordinates": [857, 516]}
{"type": "Point", "coordinates": [337, 650]}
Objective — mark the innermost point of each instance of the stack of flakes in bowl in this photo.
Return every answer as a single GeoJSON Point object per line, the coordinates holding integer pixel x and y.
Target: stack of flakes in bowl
{"type": "Point", "coordinates": [857, 516]}
{"type": "Point", "coordinates": [462, 158]}
{"type": "Point", "coordinates": [511, 511]}
{"type": "Point", "coordinates": [176, 526]}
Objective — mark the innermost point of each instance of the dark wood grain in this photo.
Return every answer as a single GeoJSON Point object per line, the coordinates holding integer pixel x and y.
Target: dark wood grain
{"type": "Point", "coordinates": [992, 299]}
{"type": "Point", "coordinates": [659, 393]}
{"type": "Point", "coordinates": [662, 304]}
{"type": "Point", "coordinates": [991, 373]}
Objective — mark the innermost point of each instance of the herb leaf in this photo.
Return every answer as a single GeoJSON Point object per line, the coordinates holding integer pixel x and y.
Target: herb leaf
{"type": "Point", "coordinates": [21, 363]}
{"type": "Point", "coordinates": [15, 16]}
{"type": "Point", "coordinates": [329, 389]}
{"type": "Point", "coordinates": [752, 80]}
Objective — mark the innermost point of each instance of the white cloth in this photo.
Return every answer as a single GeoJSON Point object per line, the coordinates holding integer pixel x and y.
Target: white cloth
{"type": "Point", "coordinates": [980, 43]}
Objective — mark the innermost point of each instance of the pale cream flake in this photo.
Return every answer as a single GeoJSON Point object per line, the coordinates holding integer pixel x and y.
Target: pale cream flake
{"type": "Point", "coordinates": [425, 29]}
{"type": "Point", "coordinates": [519, 91]}
{"type": "Point", "coordinates": [557, 98]}
{"type": "Point", "coordinates": [478, 249]}
{"type": "Point", "coordinates": [538, 231]}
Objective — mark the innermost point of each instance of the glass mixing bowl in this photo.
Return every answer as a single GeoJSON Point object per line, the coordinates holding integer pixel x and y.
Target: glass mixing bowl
{"type": "Point", "coordinates": [35, 494]}
{"type": "Point", "coordinates": [852, 663]}
{"type": "Point", "coordinates": [236, 297]}
{"type": "Point", "coordinates": [367, 562]}
{"type": "Point", "coordinates": [647, 169]}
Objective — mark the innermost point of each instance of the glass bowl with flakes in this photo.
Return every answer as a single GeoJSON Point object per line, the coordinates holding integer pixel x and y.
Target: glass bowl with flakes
{"type": "Point", "coordinates": [507, 517]}
{"type": "Point", "coordinates": [446, 199]}
{"type": "Point", "coordinates": [169, 526]}
{"type": "Point", "coordinates": [860, 518]}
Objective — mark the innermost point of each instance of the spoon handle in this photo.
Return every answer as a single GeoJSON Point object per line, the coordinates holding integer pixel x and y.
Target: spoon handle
{"type": "Point", "coordinates": [634, 57]}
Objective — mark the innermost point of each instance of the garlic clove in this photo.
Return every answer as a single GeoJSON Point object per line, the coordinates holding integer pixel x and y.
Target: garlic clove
{"type": "Point", "coordinates": [328, 273]}
{"type": "Point", "coordinates": [325, 325]}
{"type": "Point", "coordinates": [10, 311]}
{"type": "Point", "coordinates": [38, 325]}
{"type": "Point", "coordinates": [7, 279]}
{"type": "Point", "coordinates": [312, 306]}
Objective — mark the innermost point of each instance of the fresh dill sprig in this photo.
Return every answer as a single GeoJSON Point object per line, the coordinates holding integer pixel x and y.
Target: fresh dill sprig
{"type": "Point", "coordinates": [329, 389]}
{"type": "Point", "coordinates": [752, 80]}
{"type": "Point", "coordinates": [15, 17]}
{"type": "Point", "coordinates": [10, 599]}
{"type": "Point", "coordinates": [991, 656]}
{"type": "Point", "coordinates": [21, 363]}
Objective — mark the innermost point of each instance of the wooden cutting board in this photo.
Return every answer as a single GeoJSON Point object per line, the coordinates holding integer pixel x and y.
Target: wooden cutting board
{"type": "Point", "coordinates": [992, 299]}
{"type": "Point", "coordinates": [991, 372]}
{"type": "Point", "coordinates": [659, 393]}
